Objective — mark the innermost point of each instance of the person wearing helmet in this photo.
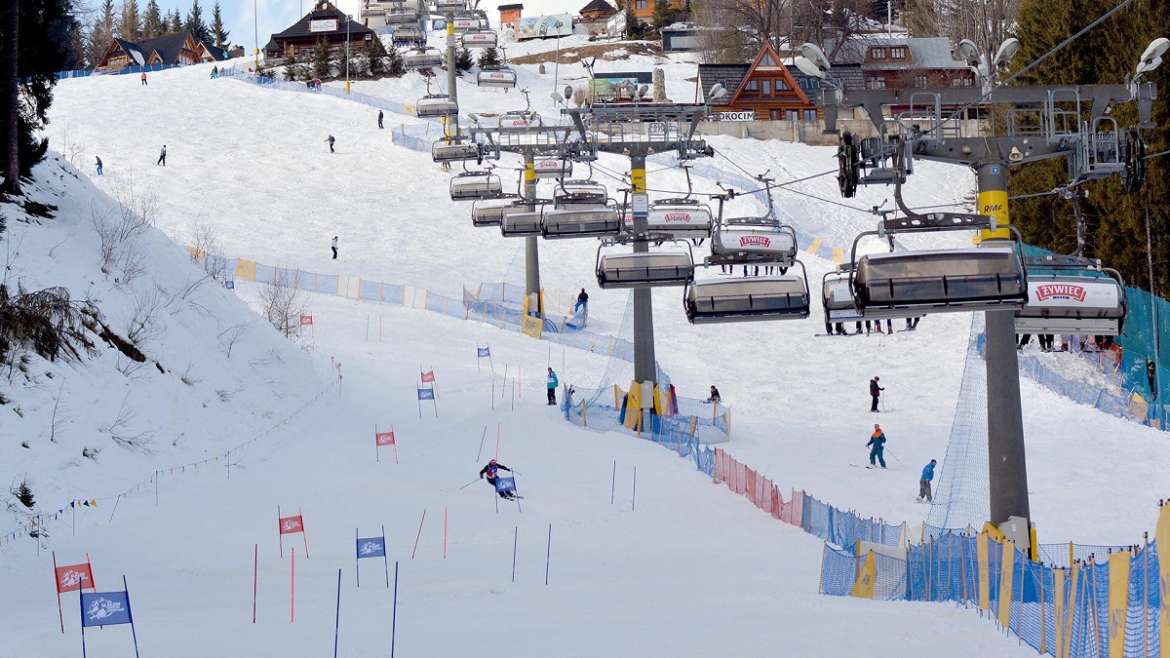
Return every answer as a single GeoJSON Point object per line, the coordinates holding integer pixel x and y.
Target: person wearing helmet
{"type": "Point", "coordinates": [491, 474]}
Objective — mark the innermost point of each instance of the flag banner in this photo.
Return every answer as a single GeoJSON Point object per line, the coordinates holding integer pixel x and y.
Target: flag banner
{"type": "Point", "coordinates": [105, 608]}
{"type": "Point", "coordinates": [506, 485]}
{"type": "Point", "coordinates": [371, 547]}
{"type": "Point", "coordinates": [428, 377]}
{"type": "Point", "coordinates": [306, 320]}
{"type": "Point", "coordinates": [384, 438]}
{"type": "Point", "coordinates": [229, 284]}
{"type": "Point", "coordinates": [73, 577]}
{"type": "Point", "coordinates": [483, 351]}
{"type": "Point", "coordinates": [291, 524]}
{"type": "Point", "coordinates": [426, 394]}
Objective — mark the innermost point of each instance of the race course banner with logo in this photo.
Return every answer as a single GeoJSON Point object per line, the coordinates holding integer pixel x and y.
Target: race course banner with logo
{"type": "Point", "coordinates": [291, 525]}
{"type": "Point", "coordinates": [370, 547]}
{"type": "Point", "coordinates": [71, 578]}
{"type": "Point", "coordinates": [384, 439]}
{"type": "Point", "coordinates": [107, 609]}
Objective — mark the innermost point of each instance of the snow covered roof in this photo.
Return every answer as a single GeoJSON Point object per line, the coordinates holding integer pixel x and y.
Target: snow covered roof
{"type": "Point", "coordinates": [323, 11]}
{"type": "Point", "coordinates": [925, 52]}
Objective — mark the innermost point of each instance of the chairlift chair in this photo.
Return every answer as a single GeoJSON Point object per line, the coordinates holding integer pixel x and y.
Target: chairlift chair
{"type": "Point", "coordinates": [435, 105]}
{"type": "Point", "coordinates": [649, 269]}
{"type": "Point", "coordinates": [748, 298]}
{"type": "Point", "coordinates": [553, 167]}
{"type": "Point", "coordinates": [490, 212]}
{"type": "Point", "coordinates": [449, 5]}
{"type": "Point", "coordinates": [443, 151]}
{"type": "Point", "coordinates": [478, 38]}
{"type": "Point", "coordinates": [519, 119]}
{"type": "Point", "coordinates": [422, 58]}
{"type": "Point", "coordinates": [522, 219]}
{"type": "Point", "coordinates": [579, 193]}
{"type": "Point", "coordinates": [501, 77]}
{"type": "Point", "coordinates": [473, 185]}
{"type": "Point", "coordinates": [837, 297]}
{"type": "Point", "coordinates": [753, 240]}
{"type": "Point", "coordinates": [580, 222]}
{"type": "Point", "coordinates": [463, 24]}
{"type": "Point", "coordinates": [678, 218]}
{"type": "Point", "coordinates": [408, 35]}
{"type": "Point", "coordinates": [401, 16]}
{"type": "Point", "coordinates": [1073, 300]}
{"type": "Point", "coordinates": [913, 283]}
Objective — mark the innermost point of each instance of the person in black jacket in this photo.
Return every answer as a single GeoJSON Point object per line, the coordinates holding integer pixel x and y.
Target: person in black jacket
{"type": "Point", "coordinates": [491, 474]}
{"type": "Point", "coordinates": [582, 301]}
{"type": "Point", "coordinates": [714, 397]}
{"type": "Point", "coordinates": [875, 391]}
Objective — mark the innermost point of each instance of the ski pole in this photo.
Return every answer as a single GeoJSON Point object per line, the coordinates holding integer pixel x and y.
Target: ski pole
{"type": "Point", "coordinates": [891, 453]}
{"type": "Point", "coordinates": [468, 484]}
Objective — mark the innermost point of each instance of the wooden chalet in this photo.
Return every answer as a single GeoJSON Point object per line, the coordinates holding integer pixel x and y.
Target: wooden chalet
{"type": "Point", "coordinates": [324, 23]}
{"type": "Point", "coordinates": [644, 9]}
{"type": "Point", "coordinates": [177, 49]}
{"type": "Point", "coordinates": [510, 15]}
{"type": "Point", "coordinates": [597, 11]}
{"type": "Point", "coordinates": [765, 89]}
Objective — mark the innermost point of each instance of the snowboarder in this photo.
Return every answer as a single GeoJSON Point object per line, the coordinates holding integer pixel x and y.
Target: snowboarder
{"type": "Point", "coordinates": [142, 79]}
{"type": "Point", "coordinates": [875, 391]}
{"type": "Point", "coordinates": [714, 398]}
{"type": "Point", "coordinates": [490, 472]}
{"type": "Point", "coordinates": [924, 483]}
{"type": "Point", "coordinates": [877, 445]}
{"type": "Point", "coordinates": [379, 119]}
{"type": "Point", "coordinates": [330, 139]}
{"type": "Point", "coordinates": [333, 246]}
{"type": "Point", "coordinates": [582, 301]}
{"type": "Point", "coordinates": [552, 387]}
{"type": "Point", "coordinates": [162, 155]}
{"type": "Point", "coordinates": [98, 164]}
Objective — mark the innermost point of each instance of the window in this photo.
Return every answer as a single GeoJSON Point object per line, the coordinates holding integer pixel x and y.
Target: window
{"type": "Point", "coordinates": [962, 82]}
{"type": "Point", "coordinates": [877, 53]}
{"type": "Point", "coordinates": [767, 86]}
{"type": "Point", "coordinates": [790, 115]}
{"type": "Point", "coordinates": [639, 4]}
{"type": "Point", "coordinates": [752, 85]}
{"type": "Point", "coordinates": [775, 115]}
{"type": "Point", "coordinates": [921, 81]}
{"type": "Point", "coordinates": [781, 85]}
{"type": "Point", "coordinates": [810, 115]}
{"type": "Point", "coordinates": [875, 83]}
{"type": "Point", "coordinates": [767, 60]}
{"type": "Point", "coordinates": [898, 52]}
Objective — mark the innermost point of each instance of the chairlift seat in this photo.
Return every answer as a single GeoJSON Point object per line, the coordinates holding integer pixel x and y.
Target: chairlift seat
{"type": "Point", "coordinates": [475, 185]}
{"type": "Point", "coordinates": [574, 222]}
{"type": "Point", "coordinates": [521, 221]}
{"type": "Point", "coordinates": [422, 59]}
{"type": "Point", "coordinates": [744, 299]}
{"type": "Point", "coordinates": [649, 269]}
{"type": "Point", "coordinates": [401, 16]}
{"type": "Point", "coordinates": [455, 152]}
{"type": "Point", "coordinates": [1079, 304]}
{"type": "Point", "coordinates": [435, 106]}
{"type": "Point", "coordinates": [521, 119]}
{"type": "Point", "coordinates": [837, 299]}
{"type": "Point", "coordinates": [478, 38]}
{"type": "Point", "coordinates": [579, 193]}
{"type": "Point", "coordinates": [909, 284]}
{"type": "Point", "coordinates": [504, 78]}
{"type": "Point", "coordinates": [449, 5]}
{"type": "Point", "coordinates": [682, 218]}
{"type": "Point", "coordinates": [553, 168]}
{"type": "Point", "coordinates": [744, 242]}
{"type": "Point", "coordinates": [490, 212]}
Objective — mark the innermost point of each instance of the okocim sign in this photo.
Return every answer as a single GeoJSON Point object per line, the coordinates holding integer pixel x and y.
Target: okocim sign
{"type": "Point", "coordinates": [738, 115]}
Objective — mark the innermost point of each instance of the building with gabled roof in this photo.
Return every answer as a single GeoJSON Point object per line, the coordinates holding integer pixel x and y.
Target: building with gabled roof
{"type": "Point", "coordinates": [324, 22]}
{"type": "Point", "coordinates": [175, 49]}
{"type": "Point", "coordinates": [596, 11]}
{"type": "Point", "coordinates": [767, 88]}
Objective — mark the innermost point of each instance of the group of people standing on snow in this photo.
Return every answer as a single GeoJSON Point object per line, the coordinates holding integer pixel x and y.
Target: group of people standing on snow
{"type": "Point", "coordinates": [877, 445]}
{"type": "Point", "coordinates": [871, 326]}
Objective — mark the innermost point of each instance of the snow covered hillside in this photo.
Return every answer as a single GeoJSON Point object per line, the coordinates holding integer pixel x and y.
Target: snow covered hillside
{"type": "Point", "coordinates": [252, 162]}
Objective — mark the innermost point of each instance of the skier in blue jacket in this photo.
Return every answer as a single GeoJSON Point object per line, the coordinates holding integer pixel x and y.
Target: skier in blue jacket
{"type": "Point", "coordinates": [877, 445]}
{"type": "Point", "coordinates": [553, 382]}
{"type": "Point", "coordinates": [924, 483]}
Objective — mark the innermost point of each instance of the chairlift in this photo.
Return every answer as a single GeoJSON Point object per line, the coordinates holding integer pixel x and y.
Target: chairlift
{"type": "Point", "coordinates": [748, 298]}
{"type": "Point", "coordinates": [579, 193]}
{"type": "Point", "coordinates": [435, 105]}
{"type": "Point", "coordinates": [478, 38]}
{"type": "Point", "coordinates": [401, 16]}
{"type": "Point", "coordinates": [422, 58]}
{"type": "Point", "coordinates": [654, 268]}
{"type": "Point", "coordinates": [449, 5]}
{"type": "Point", "coordinates": [519, 119]}
{"type": "Point", "coordinates": [1071, 299]}
{"type": "Point", "coordinates": [553, 167]}
{"type": "Point", "coordinates": [464, 24]}
{"type": "Point", "coordinates": [408, 35]}
{"type": "Point", "coordinates": [837, 297]}
{"type": "Point", "coordinates": [678, 218]}
{"type": "Point", "coordinates": [753, 240]}
{"type": "Point", "coordinates": [502, 77]}
{"type": "Point", "coordinates": [522, 219]}
{"type": "Point", "coordinates": [490, 212]}
{"type": "Point", "coordinates": [443, 151]}
{"type": "Point", "coordinates": [472, 185]}
{"type": "Point", "coordinates": [580, 222]}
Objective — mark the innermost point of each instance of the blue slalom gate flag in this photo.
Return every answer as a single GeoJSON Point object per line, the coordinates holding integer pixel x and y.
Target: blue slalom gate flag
{"type": "Point", "coordinates": [481, 352]}
{"type": "Point", "coordinates": [426, 394]}
{"type": "Point", "coordinates": [105, 608]}
{"type": "Point", "coordinates": [371, 547]}
{"type": "Point", "coordinates": [506, 485]}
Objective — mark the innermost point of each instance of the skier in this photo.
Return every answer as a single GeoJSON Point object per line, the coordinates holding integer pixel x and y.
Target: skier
{"type": "Point", "coordinates": [582, 301]}
{"type": "Point", "coordinates": [924, 483]}
{"type": "Point", "coordinates": [713, 398]}
{"type": "Point", "coordinates": [215, 71]}
{"type": "Point", "coordinates": [491, 474]}
{"type": "Point", "coordinates": [874, 392]}
{"type": "Point", "coordinates": [379, 119]}
{"type": "Point", "coordinates": [552, 387]}
{"type": "Point", "coordinates": [98, 164]}
{"type": "Point", "coordinates": [333, 246]}
{"type": "Point", "coordinates": [162, 155]}
{"type": "Point", "coordinates": [330, 139]}
{"type": "Point", "coordinates": [876, 445]}
{"type": "Point", "coordinates": [142, 79]}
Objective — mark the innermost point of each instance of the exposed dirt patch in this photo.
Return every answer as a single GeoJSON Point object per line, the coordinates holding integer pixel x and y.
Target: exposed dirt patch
{"type": "Point", "coordinates": [612, 51]}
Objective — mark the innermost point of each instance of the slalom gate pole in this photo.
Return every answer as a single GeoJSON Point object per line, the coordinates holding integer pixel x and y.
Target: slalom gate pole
{"type": "Point", "coordinates": [337, 616]}
{"type": "Point", "coordinates": [386, 560]}
{"type": "Point", "coordinates": [505, 382]}
{"type": "Point", "coordinates": [515, 537]}
{"type": "Point", "coordinates": [547, 554]}
{"type": "Point", "coordinates": [130, 614]}
{"type": "Point", "coordinates": [416, 537]}
{"type": "Point", "coordinates": [393, 614]}
{"type": "Point", "coordinates": [57, 587]}
{"type": "Point", "coordinates": [634, 495]}
{"type": "Point", "coordinates": [497, 441]}
{"type": "Point", "coordinates": [482, 436]}
{"type": "Point", "coordinates": [73, 507]}
{"type": "Point", "coordinates": [613, 482]}
{"type": "Point", "coordinates": [255, 577]}
{"type": "Point", "coordinates": [292, 588]}
{"type": "Point", "coordinates": [377, 448]}
{"type": "Point", "coordinates": [279, 534]}
{"type": "Point", "coordinates": [304, 531]}
{"type": "Point", "coordinates": [357, 567]}
{"type": "Point", "coordinates": [116, 501]}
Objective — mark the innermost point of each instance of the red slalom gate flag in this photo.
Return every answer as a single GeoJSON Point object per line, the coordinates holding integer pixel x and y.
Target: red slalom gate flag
{"type": "Point", "coordinates": [290, 525]}
{"type": "Point", "coordinates": [384, 438]}
{"type": "Point", "coordinates": [306, 320]}
{"type": "Point", "coordinates": [428, 377]}
{"type": "Point", "coordinates": [73, 577]}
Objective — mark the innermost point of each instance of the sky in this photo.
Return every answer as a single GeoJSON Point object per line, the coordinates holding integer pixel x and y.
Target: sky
{"type": "Point", "coordinates": [274, 15]}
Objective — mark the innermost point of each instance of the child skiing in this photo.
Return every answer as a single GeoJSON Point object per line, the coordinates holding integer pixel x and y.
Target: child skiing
{"type": "Point", "coordinates": [876, 445]}
{"type": "Point", "coordinates": [924, 482]}
{"type": "Point", "coordinates": [505, 487]}
{"type": "Point", "coordinates": [553, 382]}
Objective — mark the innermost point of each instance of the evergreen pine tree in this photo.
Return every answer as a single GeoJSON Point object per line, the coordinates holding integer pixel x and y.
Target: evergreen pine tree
{"type": "Point", "coordinates": [394, 66]}
{"type": "Point", "coordinates": [129, 23]}
{"type": "Point", "coordinates": [176, 23]}
{"type": "Point", "coordinates": [376, 56]}
{"type": "Point", "coordinates": [662, 15]}
{"type": "Point", "coordinates": [321, 67]}
{"type": "Point", "coordinates": [634, 27]}
{"type": "Point", "coordinates": [489, 57]}
{"type": "Point", "coordinates": [25, 495]}
{"type": "Point", "coordinates": [195, 23]}
{"type": "Point", "coordinates": [218, 32]}
{"type": "Point", "coordinates": [463, 60]}
{"type": "Point", "coordinates": [152, 22]}
{"type": "Point", "coordinates": [101, 34]}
